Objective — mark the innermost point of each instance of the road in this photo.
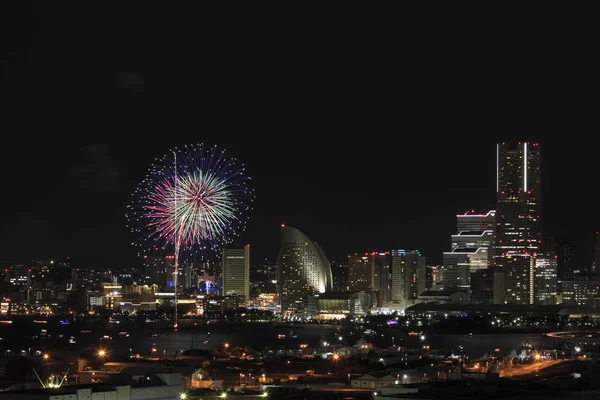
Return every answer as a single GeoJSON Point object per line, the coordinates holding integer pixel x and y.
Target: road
{"type": "Point", "coordinates": [522, 370]}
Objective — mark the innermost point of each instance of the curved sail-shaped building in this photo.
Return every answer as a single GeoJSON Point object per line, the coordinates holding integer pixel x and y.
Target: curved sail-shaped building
{"type": "Point", "coordinates": [303, 270]}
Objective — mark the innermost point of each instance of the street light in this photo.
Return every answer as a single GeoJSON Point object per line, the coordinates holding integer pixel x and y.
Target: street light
{"type": "Point", "coordinates": [102, 353]}
{"type": "Point", "coordinates": [46, 356]}
{"type": "Point", "coordinates": [182, 396]}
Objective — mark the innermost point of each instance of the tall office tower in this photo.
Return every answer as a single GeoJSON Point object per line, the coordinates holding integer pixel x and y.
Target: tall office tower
{"type": "Point", "coordinates": [361, 272]}
{"type": "Point", "coordinates": [408, 276]}
{"type": "Point", "coordinates": [482, 286]}
{"type": "Point", "coordinates": [460, 263]}
{"type": "Point", "coordinates": [518, 219]}
{"type": "Point", "coordinates": [546, 282]}
{"type": "Point", "coordinates": [519, 279]}
{"type": "Point", "coordinates": [235, 264]}
{"type": "Point", "coordinates": [370, 271]}
{"type": "Point", "coordinates": [475, 230]}
{"type": "Point", "coordinates": [158, 270]}
{"type": "Point", "coordinates": [597, 255]}
{"type": "Point", "coordinates": [563, 249]}
{"type": "Point", "coordinates": [382, 277]}
{"type": "Point", "coordinates": [340, 277]}
{"type": "Point", "coordinates": [303, 270]}
{"type": "Point", "coordinates": [471, 249]}
{"type": "Point", "coordinates": [187, 275]}
{"type": "Point", "coordinates": [473, 221]}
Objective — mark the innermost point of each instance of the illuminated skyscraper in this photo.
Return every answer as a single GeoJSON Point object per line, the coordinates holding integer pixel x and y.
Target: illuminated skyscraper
{"type": "Point", "coordinates": [546, 282]}
{"type": "Point", "coordinates": [158, 270]}
{"type": "Point", "coordinates": [518, 218]}
{"type": "Point", "coordinates": [471, 249]}
{"type": "Point", "coordinates": [408, 276]}
{"type": "Point", "coordinates": [476, 221]}
{"type": "Point", "coordinates": [361, 272]}
{"type": "Point", "coordinates": [370, 271]}
{"type": "Point", "coordinates": [460, 263]}
{"type": "Point", "coordinates": [235, 263]}
{"type": "Point", "coordinates": [303, 270]}
{"type": "Point", "coordinates": [518, 200]}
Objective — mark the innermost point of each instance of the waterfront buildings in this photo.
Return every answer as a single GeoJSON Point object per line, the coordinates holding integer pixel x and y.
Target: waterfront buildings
{"type": "Point", "coordinates": [303, 270]}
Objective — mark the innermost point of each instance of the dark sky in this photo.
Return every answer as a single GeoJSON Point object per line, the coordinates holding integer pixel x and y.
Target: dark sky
{"type": "Point", "coordinates": [366, 125]}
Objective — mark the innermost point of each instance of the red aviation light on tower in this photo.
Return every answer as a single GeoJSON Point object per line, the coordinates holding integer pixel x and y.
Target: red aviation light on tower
{"type": "Point", "coordinates": [283, 225]}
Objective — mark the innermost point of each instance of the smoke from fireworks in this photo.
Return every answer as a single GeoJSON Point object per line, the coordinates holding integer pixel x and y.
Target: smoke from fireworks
{"type": "Point", "coordinates": [193, 200]}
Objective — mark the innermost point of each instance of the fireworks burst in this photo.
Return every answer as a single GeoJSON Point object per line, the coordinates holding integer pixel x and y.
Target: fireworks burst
{"type": "Point", "coordinates": [193, 200]}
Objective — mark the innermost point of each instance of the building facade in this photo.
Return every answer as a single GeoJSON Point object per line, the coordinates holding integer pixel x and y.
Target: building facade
{"type": "Point", "coordinates": [460, 263]}
{"type": "Point", "coordinates": [546, 280]}
{"type": "Point", "coordinates": [518, 219]}
{"type": "Point", "coordinates": [235, 264]}
{"type": "Point", "coordinates": [370, 271]}
{"type": "Point", "coordinates": [408, 276]}
{"type": "Point", "coordinates": [303, 270]}
{"type": "Point", "coordinates": [581, 292]}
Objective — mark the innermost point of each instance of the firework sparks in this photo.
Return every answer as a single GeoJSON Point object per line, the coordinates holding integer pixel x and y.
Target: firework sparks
{"type": "Point", "coordinates": [193, 199]}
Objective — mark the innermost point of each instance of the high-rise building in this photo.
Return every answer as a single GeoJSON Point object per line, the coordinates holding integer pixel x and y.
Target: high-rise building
{"type": "Point", "coordinates": [473, 221]}
{"type": "Point", "coordinates": [519, 275]}
{"type": "Point", "coordinates": [408, 276]}
{"type": "Point", "coordinates": [361, 272]}
{"type": "Point", "coordinates": [370, 271]}
{"type": "Point", "coordinates": [563, 249]}
{"type": "Point", "coordinates": [303, 270]}
{"type": "Point", "coordinates": [482, 286]}
{"type": "Point", "coordinates": [340, 277]}
{"type": "Point", "coordinates": [158, 270]}
{"type": "Point", "coordinates": [235, 264]}
{"type": "Point", "coordinates": [480, 238]}
{"type": "Point", "coordinates": [460, 263]}
{"type": "Point", "coordinates": [518, 201]}
{"type": "Point", "coordinates": [546, 282]}
{"type": "Point", "coordinates": [471, 249]}
{"type": "Point", "coordinates": [518, 219]}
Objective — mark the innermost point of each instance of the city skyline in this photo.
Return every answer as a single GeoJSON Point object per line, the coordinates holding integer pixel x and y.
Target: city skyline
{"type": "Point", "coordinates": [423, 220]}
{"type": "Point", "coordinates": [298, 199]}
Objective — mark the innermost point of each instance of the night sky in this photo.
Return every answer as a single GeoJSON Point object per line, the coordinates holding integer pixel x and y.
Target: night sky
{"type": "Point", "coordinates": [366, 127]}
